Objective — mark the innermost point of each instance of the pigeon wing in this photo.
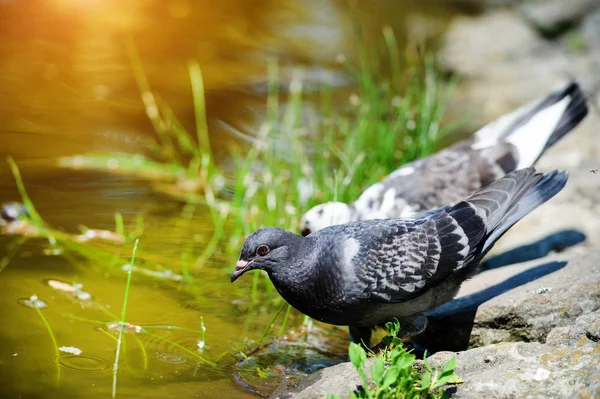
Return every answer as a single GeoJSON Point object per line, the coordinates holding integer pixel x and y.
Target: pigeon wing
{"type": "Point", "coordinates": [442, 178]}
{"type": "Point", "coordinates": [406, 257]}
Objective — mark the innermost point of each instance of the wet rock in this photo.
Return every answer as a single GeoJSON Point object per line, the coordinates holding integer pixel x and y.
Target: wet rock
{"type": "Point", "coordinates": [520, 370]}
{"type": "Point", "coordinates": [552, 17]}
{"type": "Point", "coordinates": [339, 379]}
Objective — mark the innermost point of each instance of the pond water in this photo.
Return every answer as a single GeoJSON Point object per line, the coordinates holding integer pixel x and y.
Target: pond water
{"type": "Point", "coordinates": [66, 88]}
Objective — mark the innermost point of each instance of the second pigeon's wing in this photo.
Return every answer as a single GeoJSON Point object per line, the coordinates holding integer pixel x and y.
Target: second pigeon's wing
{"type": "Point", "coordinates": [432, 182]}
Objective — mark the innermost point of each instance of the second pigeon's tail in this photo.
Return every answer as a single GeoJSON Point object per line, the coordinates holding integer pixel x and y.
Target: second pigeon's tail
{"type": "Point", "coordinates": [511, 198]}
{"type": "Point", "coordinates": [535, 127]}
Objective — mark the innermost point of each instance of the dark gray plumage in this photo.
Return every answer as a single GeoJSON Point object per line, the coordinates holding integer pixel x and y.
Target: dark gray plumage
{"type": "Point", "coordinates": [515, 141]}
{"type": "Point", "coordinates": [362, 274]}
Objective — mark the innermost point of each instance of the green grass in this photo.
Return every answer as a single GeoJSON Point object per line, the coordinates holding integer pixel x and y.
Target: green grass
{"type": "Point", "coordinates": [296, 158]}
{"type": "Point", "coordinates": [393, 375]}
{"type": "Point", "coordinates": [50, 333]}
{"type": "Point", "coordinates": [34, 216]}
{"type": "Point", "coordinates": [122, 321]}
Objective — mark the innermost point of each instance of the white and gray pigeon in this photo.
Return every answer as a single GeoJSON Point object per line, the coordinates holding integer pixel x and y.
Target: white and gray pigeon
{"type": "Point", "coordinates": [364, 273]}
{"type": "Point", "coordinates": [514, 141]}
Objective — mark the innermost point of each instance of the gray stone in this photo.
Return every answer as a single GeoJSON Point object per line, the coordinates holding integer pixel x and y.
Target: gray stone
{"type": "Point", "coordinates": [506, 370]}
{"type": "Point", "coordinates": [552, 17]}
{"type": "Point", "coordinates": [583, 334]}
{"type": "Point", "coordinates": [520, 370]}
{"type": "Point", "coordinates": [530, 311]}
{"type": "Point", "coordinates": [339, 380]}
{"type": "Point", "coordinates": [590, 29]}
{"type": "Point", "coordinates": [503, 63]}
{"type": "Point", "coordinates": [592, 388]}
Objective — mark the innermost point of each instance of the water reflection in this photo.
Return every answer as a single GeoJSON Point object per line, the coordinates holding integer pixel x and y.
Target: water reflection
{"type": "Point", "coordinates": [66, 87]}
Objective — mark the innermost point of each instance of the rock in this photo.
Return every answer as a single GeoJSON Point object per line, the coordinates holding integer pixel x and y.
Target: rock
{"type": "Point", "coordinates": [558, 369]}
{"type": "Point", "coordinates": [339, 379]}
{"type": "Point", "coordinates": [552, 17]}
{"type": "Point", "coordinates": [502, 64]}
{"type": "Point", "coordinates": [522, 302]}
{"type": "Point", "coordinates": [521, 370]}
{"type": "Point", "coordinates": [472, 43]}
{"type": "Point", "coordinates": [592, 389]}
{"type": "Point", "coordinates": [584, 333]}
{"type": "Point", "coordinates": [531, 310]}
{"type": "Point", "coordinates": [590, 29]}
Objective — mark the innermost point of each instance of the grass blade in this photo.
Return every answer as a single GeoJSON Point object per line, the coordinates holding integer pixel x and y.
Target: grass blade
{"type": "Point", "coordinates": [122, 321]}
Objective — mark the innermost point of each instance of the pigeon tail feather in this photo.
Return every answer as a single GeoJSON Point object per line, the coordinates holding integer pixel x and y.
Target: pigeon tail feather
{"type": "Point", "coordinates": [545, 188]}
{"type": "Point", "coordinates": [535, 127]}
{"type": "Point", "coordinates": [574, 113]}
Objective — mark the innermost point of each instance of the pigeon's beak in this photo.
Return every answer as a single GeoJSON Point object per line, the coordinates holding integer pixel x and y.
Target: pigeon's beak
{"type": "Point", "coordinates": [240, 268]}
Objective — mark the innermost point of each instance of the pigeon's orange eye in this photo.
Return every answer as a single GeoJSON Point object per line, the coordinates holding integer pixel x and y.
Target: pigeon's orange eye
{"type": "Point", "coordinates": [262, 250]}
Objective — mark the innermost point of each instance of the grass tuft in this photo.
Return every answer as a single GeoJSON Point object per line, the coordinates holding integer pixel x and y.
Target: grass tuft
{"type": "Point", "coordinates": [393, 375]}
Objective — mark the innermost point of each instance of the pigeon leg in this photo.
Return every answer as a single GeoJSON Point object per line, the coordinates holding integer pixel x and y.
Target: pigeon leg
{"type": "Point", "coordinates": [360, 335]}
{"type": "Point", "coordinates": [412, 325]}
{"type": "Point", "coordinates": [409, 327]}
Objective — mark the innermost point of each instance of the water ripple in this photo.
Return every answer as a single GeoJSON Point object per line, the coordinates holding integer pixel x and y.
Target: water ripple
{"type": "Point", "coordinates": [85, 363]}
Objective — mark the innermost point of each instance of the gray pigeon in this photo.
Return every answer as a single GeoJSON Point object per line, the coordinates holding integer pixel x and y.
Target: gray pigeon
{"type": "Point", "coordinates": [364, 273]}
{"type": "Point", "coordinates": [512, 142]}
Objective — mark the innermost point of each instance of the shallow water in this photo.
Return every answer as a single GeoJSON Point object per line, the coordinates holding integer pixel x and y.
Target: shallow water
{"type": "Point", "coordinates": [66, 87]}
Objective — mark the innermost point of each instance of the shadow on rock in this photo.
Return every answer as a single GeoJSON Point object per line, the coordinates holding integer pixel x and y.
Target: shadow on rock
{"type": "Point", "coordinates": [556, 242]}
{"type": "Point", "coordinates": [450, 325]}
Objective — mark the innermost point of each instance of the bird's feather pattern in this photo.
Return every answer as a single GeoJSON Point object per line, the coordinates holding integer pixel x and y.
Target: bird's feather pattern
{"type": "Point", "coordinates": [442, 178]}
{"type": "Point", "coordinates": [405, 257]}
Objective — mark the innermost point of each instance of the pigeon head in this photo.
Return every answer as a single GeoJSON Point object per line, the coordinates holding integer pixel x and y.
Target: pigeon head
{"type": "Point", "coordinates": [325, 215]}
{"type": "Point", "coordinates": [267, 249]}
